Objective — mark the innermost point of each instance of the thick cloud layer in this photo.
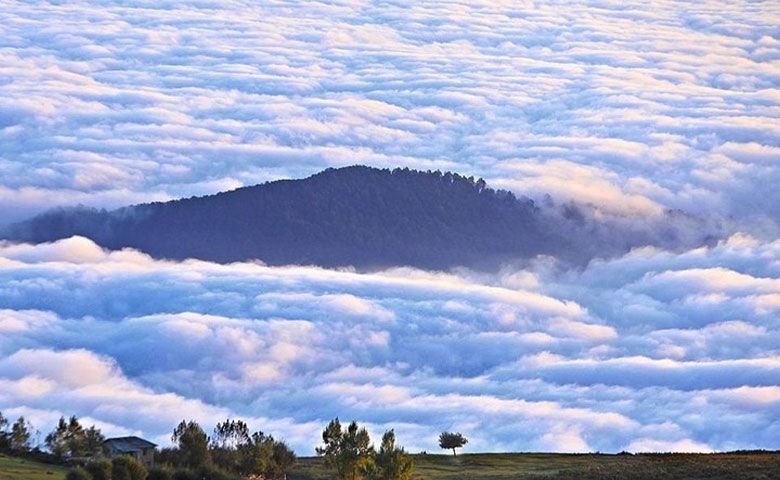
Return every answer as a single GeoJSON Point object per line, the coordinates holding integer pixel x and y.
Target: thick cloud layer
{"type": "Point", "coordinates": [634, 109]}
{"type": "Point", "coordinates": [652, 351]}
{"type": "Point", "coordinates": [631, 109]}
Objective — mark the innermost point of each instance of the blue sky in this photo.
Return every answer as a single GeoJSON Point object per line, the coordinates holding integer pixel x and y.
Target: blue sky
{"type": "Point", "coordinates": [628, 108]}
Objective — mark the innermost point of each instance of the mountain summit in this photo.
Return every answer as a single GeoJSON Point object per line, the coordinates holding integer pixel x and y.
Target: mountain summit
{"type": "Point", "coordinates": [355, 216]}
{"type": "Point", "coordinates": [359, 216]}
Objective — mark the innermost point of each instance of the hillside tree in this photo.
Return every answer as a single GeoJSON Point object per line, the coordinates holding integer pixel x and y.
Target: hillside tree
{"type": "Point", "coordinates": [20, 435]}
{"type": "Point", "coordinates": [3, 433]}
{"type": "Point", "coordinates": [349, 452]}
{"type": "Point", "coordinates": [193, 443]}
{"type": "Point", "coordinates": [57, 440]}
{"type": "Point", "coordinates": [451, 441]}
{"type": "Point", "coordinates": [70, 439]}
{"type": "Point", "coordinates": [93, 441]}
{"type": "Point", "coordinates": [391, 462]}
{"type": "Point", "coordinates": [231, 446]}
{"type": "Point", "coordinates": [235, 450]}
{"type": "Point", "coordinates": [282, 459]}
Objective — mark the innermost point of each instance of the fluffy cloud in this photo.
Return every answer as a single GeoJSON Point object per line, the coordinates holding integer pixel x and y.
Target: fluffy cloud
{"type": "Point", "coordinates": [630, 110]}
{"type": "Point", "coordinates": [108, 103]}
{"type": "Point", "coordinates": [607, 358]}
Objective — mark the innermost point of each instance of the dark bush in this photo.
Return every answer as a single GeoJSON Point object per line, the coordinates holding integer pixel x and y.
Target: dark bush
{"type": "Point", "coordinates": [169, 456]}
{"type": "Point", "coordinates": [160, 473]}
{"type": "Point", "coordinates": [185, 474]}
{"type": "Point", "coordinates": [100, 469]}
{"type": "Point", "coordinates": [213, 473]}
{"type": "Point", "coordinates": [78, 473]}
{"type": "Point", "coordinates": [127, 468]}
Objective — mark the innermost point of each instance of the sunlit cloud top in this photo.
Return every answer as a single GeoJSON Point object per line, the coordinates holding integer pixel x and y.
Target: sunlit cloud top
{"type": "Point", "coordinates": [651, 351]}
{"type": "Point", "coordinates": [630, 107]}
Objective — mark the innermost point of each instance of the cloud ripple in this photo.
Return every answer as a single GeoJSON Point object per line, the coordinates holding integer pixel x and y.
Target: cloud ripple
{"type": "Point", "coordinates": [613, 357]}
{"type": "Point", "coordinates": [111, 103]}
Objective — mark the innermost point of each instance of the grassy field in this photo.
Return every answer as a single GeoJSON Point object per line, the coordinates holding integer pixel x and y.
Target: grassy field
{"type": "Point", "coordinates": [12, 468]}
{"type": "Point", "coordinates": [519, 466]}
{"type": "Point", "coordinates": [764, 466]}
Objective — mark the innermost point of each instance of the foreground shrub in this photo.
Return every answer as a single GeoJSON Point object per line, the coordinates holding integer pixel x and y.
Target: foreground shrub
{"type": "Point", "coordinates": [202, 473]}
{"type": "Point", "coordinates": [185, 474]}
{"type": "Point", "coordinates": [160, 473]}
{"type": "Point", "coordinates": [99, 470]}
{"type": "Point", "coordinates": [78, 473]}
{"type": "Point", "coordinates": [213, 473]}
{"type": "Point", "coordinates": [127, 468]}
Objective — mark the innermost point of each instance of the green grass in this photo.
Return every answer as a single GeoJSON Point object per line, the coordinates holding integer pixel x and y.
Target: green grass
{"type": "Point", "coordinates": [520, 466]}
{"type": "Point", "coordinates": [13, 468]}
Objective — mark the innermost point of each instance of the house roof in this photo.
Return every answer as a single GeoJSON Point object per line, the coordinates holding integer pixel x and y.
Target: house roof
{"type": "Point", "coordinates": [128, 444]}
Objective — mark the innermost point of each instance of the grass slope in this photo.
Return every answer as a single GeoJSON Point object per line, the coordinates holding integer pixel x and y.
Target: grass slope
{"type": "Point", "coordinates": [12, 468]}
{"type": "Point", "coordinates": [519, 466]}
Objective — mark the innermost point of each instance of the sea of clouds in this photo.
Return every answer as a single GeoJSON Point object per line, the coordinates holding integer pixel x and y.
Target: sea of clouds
{"type": "Point", "coordinates": [651, 351]}
{"type": "Point", "coordinates": [634, 109]}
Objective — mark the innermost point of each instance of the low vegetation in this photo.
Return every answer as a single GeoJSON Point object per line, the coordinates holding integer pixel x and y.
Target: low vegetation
{"type": "Point", "coordinates": [19, 468]}
{"type": "Point", "coordinates": [346, 453]}
{"type": "Point", "coordinates": [509, 466]}
{"type": "Point", "coordinates": [533, 466]}
{"type": "Point", "coordinates": [349, 454]}
{"type": "Point", "coordinates": [231, 453]}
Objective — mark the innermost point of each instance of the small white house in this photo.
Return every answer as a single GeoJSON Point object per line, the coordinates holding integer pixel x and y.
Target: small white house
{"type": "Point", "coordinates": [138, 448]}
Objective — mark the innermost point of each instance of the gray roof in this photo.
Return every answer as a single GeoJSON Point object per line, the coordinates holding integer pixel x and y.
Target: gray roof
{"type": "Point", "coordinates": [129, 444]}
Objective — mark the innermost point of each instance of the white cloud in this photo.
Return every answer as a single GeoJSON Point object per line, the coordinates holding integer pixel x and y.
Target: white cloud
{"type": "Point", "coordinates": [12, 321]}
{"type": "Point", "coordinates": [109, 103]}
{"type": "Point", "coordinates": [651, 445]}
{"type": "Point", "coordinates": [631, 110]}
{"type": "Point", "coordinates": [557, 368]}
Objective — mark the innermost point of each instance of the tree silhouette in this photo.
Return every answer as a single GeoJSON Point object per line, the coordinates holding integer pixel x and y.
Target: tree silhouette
{"type": "Point", "coordinates": [356, 216]}
{"type": "Point", "coordinates": [193, 443]}
{"type": "Point", "coordinates": [451, 441]}
{"type": "Point", "coordinates": [348, 451]}
{"type": "Point", "coordinates": [391, 461]}
{"type": "Point", "coordinates": [20, 435]}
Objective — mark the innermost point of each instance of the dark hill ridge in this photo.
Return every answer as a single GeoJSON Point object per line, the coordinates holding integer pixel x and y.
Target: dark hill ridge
{"type": "Point", "coordinates": [359, 216]}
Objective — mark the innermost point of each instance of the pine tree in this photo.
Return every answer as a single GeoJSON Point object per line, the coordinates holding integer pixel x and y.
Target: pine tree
{"type": "Point", "coordinates": [392, 462]}
{"type": "Point", "coordinates": [348, 451]}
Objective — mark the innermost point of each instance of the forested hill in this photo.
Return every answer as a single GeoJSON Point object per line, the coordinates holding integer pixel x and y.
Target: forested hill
{"type": "Point", "coordinates": [359, 216]}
